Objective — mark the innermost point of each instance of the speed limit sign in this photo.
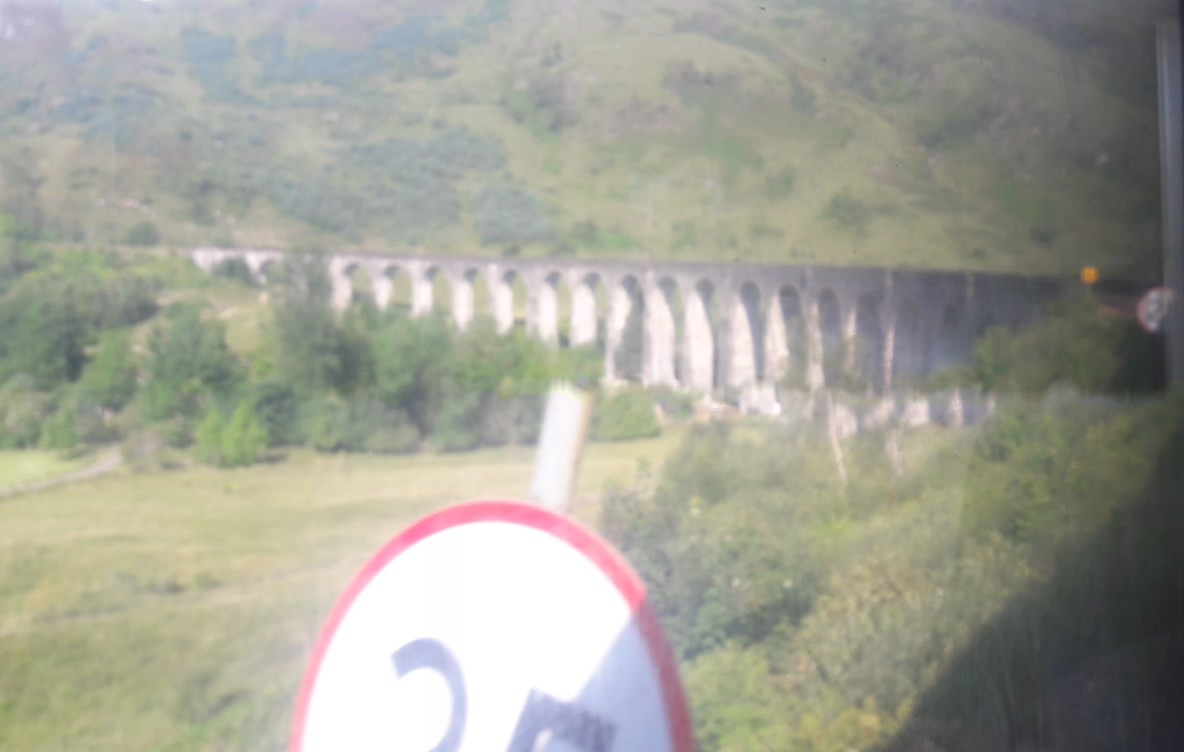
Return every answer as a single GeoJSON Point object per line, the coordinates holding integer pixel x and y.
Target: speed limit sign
{"type": "Point", "coordinates": [499, 627]}
{"type": "Point", "coordinates": [1152, 308]}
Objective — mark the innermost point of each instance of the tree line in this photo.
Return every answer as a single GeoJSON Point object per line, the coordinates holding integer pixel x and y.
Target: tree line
{"type": "Point", "coordinates": [89, 355]}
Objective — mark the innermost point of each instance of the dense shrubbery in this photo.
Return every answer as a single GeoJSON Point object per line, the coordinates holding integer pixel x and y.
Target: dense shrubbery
{"type": "Point", "coordinates": [625, 414]}
{"type": "Point", "coordinates": [819, 616]}
{"type": "Point", "coordinates": [813, 616]}
{"type": "Point", "coordinates": [241, 440]}
{"type": "Point", "coordinates": [50, 315]}
{"type": "Point", "coordinates": [208, 56]}
{"type": "Point", "coordinates": [1078, 343]}
{"type": "Point", "coordinates": [142, 233]}
{"type": "Point", "coordinates": [511, 215]}
{"type": "Point", "coordinates": [73, 371]}
{"type": "Point", "coordinates": [405, 49]}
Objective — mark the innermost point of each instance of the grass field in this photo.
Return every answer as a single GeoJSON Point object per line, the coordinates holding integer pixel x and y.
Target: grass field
{"type": "Point", "coordinates": [176, 611]}
{"type": "Point", "coordinates": [22, 468]}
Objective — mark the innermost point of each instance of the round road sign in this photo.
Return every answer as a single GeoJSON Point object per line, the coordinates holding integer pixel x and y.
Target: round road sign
{"type": "Point", "coordinates": [1152, 308]}
{"type": "Point", "coordinates": [499, 627]}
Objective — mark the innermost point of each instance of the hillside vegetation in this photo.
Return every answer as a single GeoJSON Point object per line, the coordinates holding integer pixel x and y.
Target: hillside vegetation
{"type": "Point", "coordinates": [985, 134]}
{"type": "Point", "coordinates": [1015, 587]}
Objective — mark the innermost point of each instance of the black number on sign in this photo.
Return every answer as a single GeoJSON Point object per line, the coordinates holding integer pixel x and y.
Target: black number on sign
{"type": "Point", "coordinates": [566, 722]}
{"type": "Point", "coordinates": [431, 654]}
{"type": "Point", "coordinates": [542, 714]}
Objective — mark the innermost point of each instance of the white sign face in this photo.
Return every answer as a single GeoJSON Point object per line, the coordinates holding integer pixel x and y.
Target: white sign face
{"type": "Point", "coordinates": [1153, 307]}
{"type": "Point", "coordinates": [493, 627]}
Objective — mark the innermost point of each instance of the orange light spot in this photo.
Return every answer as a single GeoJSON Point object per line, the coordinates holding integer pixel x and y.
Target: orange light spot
{"type": "Point", "coordinates": [1089, 275]}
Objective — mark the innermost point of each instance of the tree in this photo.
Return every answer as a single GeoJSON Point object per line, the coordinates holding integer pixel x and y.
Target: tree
{"type": "Point", "coordinates": [109, 380]}
{"type": "Point", "coordinates": [50, 317]}
{"type": "Point", "coordinates": [144, 233]}
{"type": "Point", "coordinates": [312, 353]}
{"type": "Point", "coordinates": [414, 367]}
{"type": "Point", "coordinates": [628, 414]}
{"type": "Point", "coordinates": [240, 441]}
{"type": "Point", "coordinates": [59, 431]}
{"type": "Point", "coordinates": [245, 438]}
{"type": "Point", "coordinates": [209, 437]}
{"type": "Point", "coordinates": [43, 333]}
{"type": "Point", "coordinates": [188, 362]}
{"type": "Point", "coordinates": [16, 257]}
{"type": "Point", "coordinates": [278, 408]}
{"type": "Point", "coordinates": [23, 410]}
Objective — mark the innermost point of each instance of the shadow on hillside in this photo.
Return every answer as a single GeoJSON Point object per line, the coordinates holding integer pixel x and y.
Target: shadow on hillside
{"type": "Point", "coordinates": [1092, 660]}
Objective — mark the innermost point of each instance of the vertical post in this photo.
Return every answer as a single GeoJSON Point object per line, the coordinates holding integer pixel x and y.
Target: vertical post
{"type": "Point", "coordinates": [619, 307]}
{"type": "Point", "coordinates": [383, 286]}
{"type": "Point", "coordinates": [850, 337]}
{"type": "Point", "coordinates": [462, 301]}
{"type": "Point", "coordinates": [776, 342]}
{"type": "Point", "coordinates": [1171, 153]}
{"type": "Point", "coordinates": [741, 346]}
{"type": "Point", "coordinates": [502, 291]}
{"type": "Point", "coordinates": [698, 343]}
{"type": "Point", "coordinates": [343, 285]}
{"type": "Point", "coordinates": [422, 290]}
{"type": "Point", "coordinates": [583, 313]}
{"type": "Point", "coordinates": [888, 316]}
{"type": "Point", "coordinates": [659, 337]}
{"type": "Point", "coordinates": [561, 444]}
{"type": "Point", "coordinates": [544, 310]}
{"type": "Point", "coordinates": [815, 375]}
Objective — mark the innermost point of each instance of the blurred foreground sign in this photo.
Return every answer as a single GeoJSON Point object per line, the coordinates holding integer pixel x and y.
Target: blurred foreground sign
{"type": "Point", "coordinates": [497, 627]}
{"type": "Point", "coordinates": [1152, 308]}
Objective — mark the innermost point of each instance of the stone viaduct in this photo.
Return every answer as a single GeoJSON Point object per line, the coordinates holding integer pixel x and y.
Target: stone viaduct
{"type": "Point", "coordinates": [708, 327]}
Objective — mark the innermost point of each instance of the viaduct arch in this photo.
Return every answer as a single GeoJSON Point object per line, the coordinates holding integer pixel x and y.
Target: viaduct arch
{"type": "Point", "coordinates": [705, 326]}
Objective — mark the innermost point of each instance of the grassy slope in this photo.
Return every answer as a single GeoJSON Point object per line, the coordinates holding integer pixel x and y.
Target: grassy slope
{"type": "Point", "coordinates": [21, 468]}
{"type": "Point", "coordinates": [176, 610]}
{"type": "Point", "coordinates": [691, 130]}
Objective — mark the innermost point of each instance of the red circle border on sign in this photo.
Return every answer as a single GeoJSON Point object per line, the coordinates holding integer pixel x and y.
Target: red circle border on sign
{"type": "Point", "coordinates": [592, 546]}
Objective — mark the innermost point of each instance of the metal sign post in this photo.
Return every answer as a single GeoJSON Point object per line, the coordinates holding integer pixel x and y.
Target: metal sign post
{"type": "Point", "coordinates": [560, 446]}
{"type": "Point", "coordinates": [1171, 155]}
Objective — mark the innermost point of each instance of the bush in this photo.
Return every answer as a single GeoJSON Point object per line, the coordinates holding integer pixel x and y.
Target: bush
{"type": "Point", "coordinates": [209, 437]}
{"type": "Point", "coordinates": [627, 414]}
{"type": "Point", "coordinates": [516, 420]}
{"type": "Point", "coordinates": [144, 233]}
{"type": "Point", "coordinates": [277, 407]}
{"type": "Point", "coordinates": [1077, 343]}
{"type": "Point", "coordinates": [23, 410]}
{"type": "Point", "coordinates": [511, 215]}
{"type": "Point", "coordinates": [458, 428]}
{"type": "Point", "coordinates": [362, 423]}
{"type": "Point", "coordinates": [245, 438]}
{"type": "Point", "coordinates": [848, 213]}
{"type": "Point", "coordinates": [582, 366]}
{"type": "Point", "coordinates": [397, 437]}
{"type": "Point", "coordinates": [109, 380]}
{"type": "Point", "coordinates": [725, 542]}
{"type": "Point", "coordinates": [675, 404]}
{"type": "Point", "coordinates": [188, 364]}
{"type": "Point", "coordinates": [324, 423]}
{"type": "Point", "coordinates": [236, 269]}
{"type": "Point", "coordinates": [241, 441]}
{"type": "Point", "coordinates": [59, 432]}
{"type": "Point", "coordinates": [781, 185]}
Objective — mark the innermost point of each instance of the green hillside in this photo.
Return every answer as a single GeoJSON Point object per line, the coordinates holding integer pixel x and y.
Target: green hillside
{"type": "Point", "coordinates": [985, 134]}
